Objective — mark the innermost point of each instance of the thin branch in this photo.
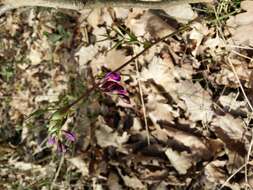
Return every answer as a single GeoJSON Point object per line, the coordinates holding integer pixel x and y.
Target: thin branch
{"type": "Point", "coordinates": [57, 172]}
{"type": "Point", "coordinates": [91, 4]}
{"type": "Point", "coordinates": [240, 85]}
{"type": "Point", "coordinates": [247, 159]}
{"type": "Point", "coordinates": [142, 103]}
{"type": "Point", "coordinates": [231, 176]}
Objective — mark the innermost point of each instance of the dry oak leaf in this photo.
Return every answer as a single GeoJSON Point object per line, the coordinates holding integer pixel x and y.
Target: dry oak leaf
{"type": "Point", "coordinates": [180, 161]}
{"type": "Point", "coordinates": [188, 95]}
{"type": "Point", "coordinates": [168, 74]}
{"type": "Point", "coordinates": [150, 25]}
{"type": "Point", "coordinates": [131, 181]}
{"type": "Point", "coordinates": [232, 132]}
{"type": "Point", "coordinates": [198, 101]}
{"type": "Point", "coordinates": [201, 148]}
{"type": "Point", "coordinates": [196, 35]}
{"type": "Point", "coordinates": [100, 16]}
{"type": "Point", "coordinates": [114, 181]}
{"type": "Point", "coordinates": [243, 24]}
{"type": "Point", "coordinates": [158, 110]}
{"type": "Point", "coordinates": [107, 137]}
{"type": "Point", "coordinates": [182, 13]}
{"type": "Point", "coordinates": [230, 102]}
{"type": "Point", "coordinates": [215, 174]}
{"type": "Point", "coordinates": [80, 164]}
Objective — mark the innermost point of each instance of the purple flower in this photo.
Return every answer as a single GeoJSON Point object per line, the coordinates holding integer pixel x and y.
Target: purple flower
{"type": "Point", "coordinates": [51, 140]}
{"type": "Point", "coordinates": [113, 76]}
{"type": "Point", "coordinates": [69, 135]}
{"type": "Point", "coordinates": [111, 84]}
{"type": "Point", "coordinates": [61, 148]}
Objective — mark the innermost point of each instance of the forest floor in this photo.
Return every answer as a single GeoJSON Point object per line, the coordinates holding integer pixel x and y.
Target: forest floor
{"type": "Point", "coordinates": [187, 123]}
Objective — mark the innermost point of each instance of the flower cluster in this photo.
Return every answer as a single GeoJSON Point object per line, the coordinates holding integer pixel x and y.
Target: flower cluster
{"type": "Point", "coordinates": [57, 139]}
{"type": "Point", "coordinates": [111, 85]}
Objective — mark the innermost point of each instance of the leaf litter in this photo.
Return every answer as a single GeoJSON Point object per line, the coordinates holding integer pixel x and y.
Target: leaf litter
{"type": "Point", "coordinates": [199, 121]}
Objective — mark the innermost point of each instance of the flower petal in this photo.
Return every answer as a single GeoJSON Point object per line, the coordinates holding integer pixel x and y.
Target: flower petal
{"type": "Point", "coordinates": [111, 86]}
{"type": "Point", "coordinates": [51, 140]}
{"type": "Point", "coordinates": [61, 148]}
{"type": "Point", "coordinates": [69, 135]}
{"type": "Point", "coordinates": [113, 76]}
{"type": "Point", "coordinates": [122, 92]}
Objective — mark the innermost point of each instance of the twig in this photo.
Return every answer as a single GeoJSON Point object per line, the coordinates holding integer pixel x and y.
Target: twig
{"type": "Point", "coordinates": [231, 176]}
{"type": "Point", "coordinates": [240, 84]}
{"type": "Point", "coordinates": [247, 158]}
{"type": "Point", "coordinates": [247, 100]}
{"type": "Point", "coordinates": [142, 103]}
{"type": "Point", "coordinates": [57, 172]}
{"type": "Point", "coordinates": [251, 108]}
{"type": "Point", "coordinates": [91, 4]}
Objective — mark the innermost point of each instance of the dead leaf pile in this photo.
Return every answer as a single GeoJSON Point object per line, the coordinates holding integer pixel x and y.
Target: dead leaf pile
{"type": "Point", "coordinates": [194, 132]}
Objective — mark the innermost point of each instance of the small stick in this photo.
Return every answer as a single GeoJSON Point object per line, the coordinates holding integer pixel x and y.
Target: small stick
{"type": "Point", "coordinates": [79, 5]}
{"type": "Point", "coordinates": [57, 172]}
{"type": "Point", "coordinates": [142, 103]}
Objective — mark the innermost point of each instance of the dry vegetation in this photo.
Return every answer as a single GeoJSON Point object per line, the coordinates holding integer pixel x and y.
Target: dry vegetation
{"type": "Point", "coordinates": [188, 125]}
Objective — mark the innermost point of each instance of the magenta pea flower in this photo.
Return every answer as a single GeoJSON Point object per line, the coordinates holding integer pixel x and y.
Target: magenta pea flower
{"type": "Point", "coordinates": [113, 76]}
{"type": "Point", "coordinates": [69, 135]}
{"type": "Point", "coordinates": [111, 85]}
{"type": "Point", "coordinates": [59, 138]}
{"type": "Point", "coordinates": [61, 148]}
{"type": "Point", "coordinates": [51, 140]}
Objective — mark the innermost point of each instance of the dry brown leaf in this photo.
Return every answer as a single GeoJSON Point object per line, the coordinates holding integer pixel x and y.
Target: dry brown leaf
{"type": "Point", "coordinates": [86, 54]}
{"type": "Point", "coordinates": [21, 102]}
{"type": "Point", "coordinates": [80, 164]}
{"type": "Point", "coordinates": [231, 103]}
{"type": "Point", "coordinates": [182, 12]}
{"type": "Point", "coordinates": [25, 166]}
{"type": "Point", "coordinates": [156, 26]}
{"type": "Point", "coordinates": [180, 161]}
{"type": "Point", "coordinates": [158, 110]}
{"type": "Point", "coordinates": [183, 139]}
{"type": "Point", "coordinates": [227, 77]}
{"type": "Point", "coordinates": [114, 59]}
{"type": "Point", "coordinates": [231, 131]}
{"type": "Point", "coordinates": [107, 137]}
{"type": "Point", "coordinates": [131, 181]}
{"type": "Point", "coordinates": [244, 25]}
{"type": "Point", "coordinates": [121, 13]}
{"type": "Point", "coordinates": [113, 181]}
{"type": "Point", "coordinates": [197, 100]}
{"type": "Point", "coordinates": [215, 172]}
{"type": "Point", "coordinates": [148, 25]}
{"type": "Point", "coordinates": [136, 22]}
{"type": "Point", "coordinates": [196, 35]}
